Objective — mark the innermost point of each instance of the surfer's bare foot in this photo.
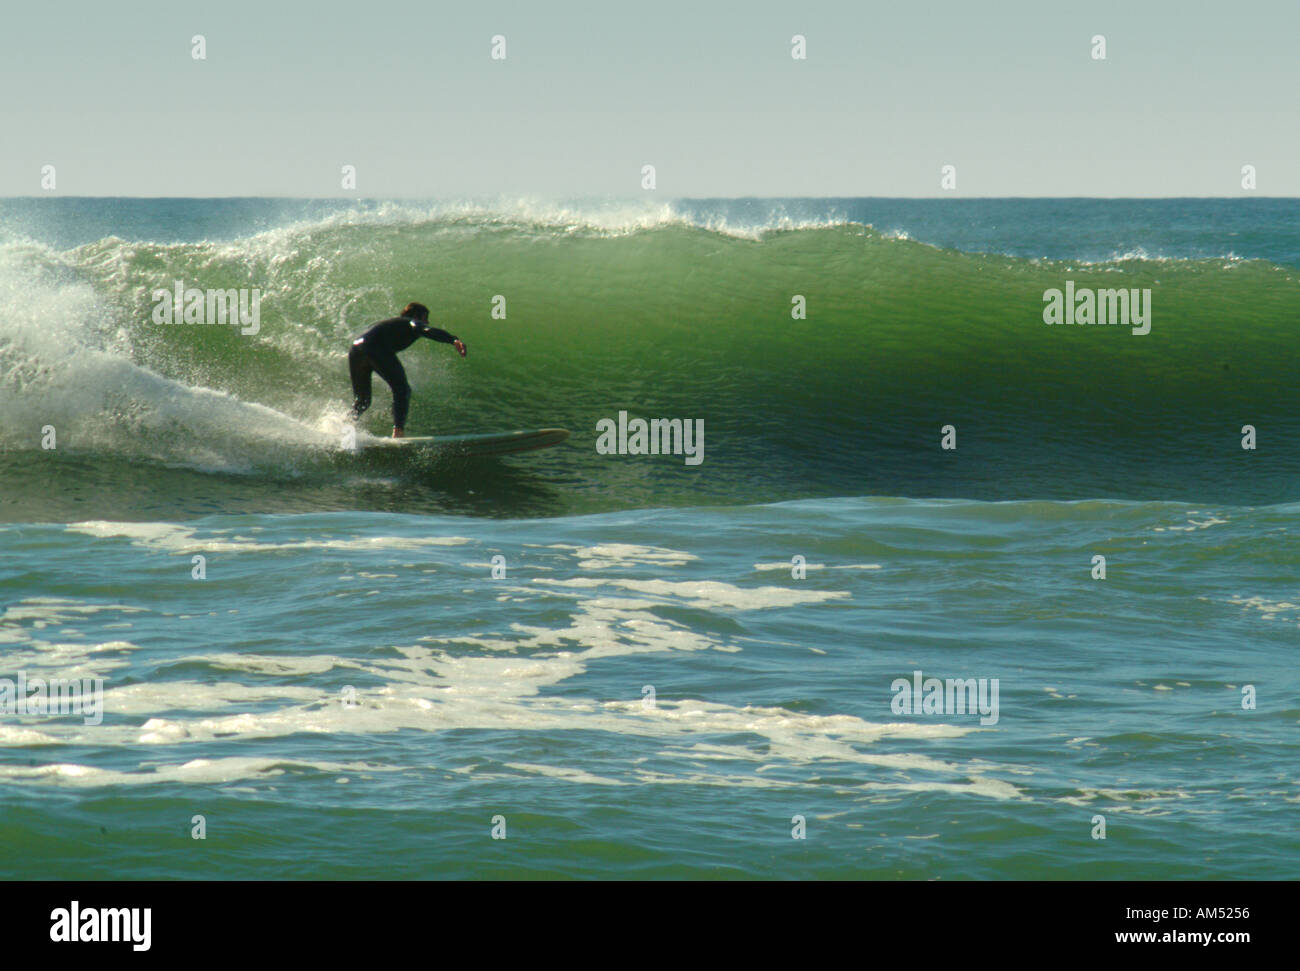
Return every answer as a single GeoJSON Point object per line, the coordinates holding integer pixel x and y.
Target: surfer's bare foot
{"type": "Point", "coordinates": [399, 433]}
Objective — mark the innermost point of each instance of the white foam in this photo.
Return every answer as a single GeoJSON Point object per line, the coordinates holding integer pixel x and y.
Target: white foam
{"type": "Point", "coordinates": [710, 594]}
{"type": "Point", "coordinates": [1136, 801]}
{"type": "Point", "coordinates": [196, 771]}
{"type": "Point", "coordinates": [498, 682]}
{"type": "Point", "coordinates": [1192, 525]}
{"type": "Point", "coordinates": [174, 538]}
{"type": "Point", "coordinates": [613, 555]}
{"type": "Point", "coordinates": [18, 735]}
{"type": "Point", "coordinates": [1268, 609]}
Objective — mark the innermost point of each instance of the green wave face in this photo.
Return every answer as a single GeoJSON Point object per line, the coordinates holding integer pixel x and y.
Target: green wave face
{"type": "Point", "coordinates": [900, 339]}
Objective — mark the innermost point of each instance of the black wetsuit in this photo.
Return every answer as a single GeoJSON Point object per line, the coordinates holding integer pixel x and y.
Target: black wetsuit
{"type": "Point", "coordinates": [376, 351]}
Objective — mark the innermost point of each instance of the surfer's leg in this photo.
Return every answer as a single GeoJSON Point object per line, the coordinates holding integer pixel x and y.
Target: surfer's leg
{"type": "Point", "coordinates": [388, 367]}
{"type": "Point", "coordinates": [359, 368]}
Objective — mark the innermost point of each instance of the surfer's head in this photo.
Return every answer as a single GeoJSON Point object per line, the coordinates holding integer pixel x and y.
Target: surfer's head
{"type": "Point", "coordinates": [417, 310]}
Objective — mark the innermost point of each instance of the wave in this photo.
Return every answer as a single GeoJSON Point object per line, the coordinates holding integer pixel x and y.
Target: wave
{"type": "Point", "coordinates": [642, 310]}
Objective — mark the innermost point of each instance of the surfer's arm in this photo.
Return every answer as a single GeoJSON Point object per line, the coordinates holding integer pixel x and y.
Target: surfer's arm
{"type": "Point", "coordinates": [442, 337]}
{"type": "Point", "coordinates": [436, 334]}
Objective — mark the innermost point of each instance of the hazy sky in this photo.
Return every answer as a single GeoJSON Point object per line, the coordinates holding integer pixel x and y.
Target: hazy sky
{"type": "Point", "coordinates": [706, 91]}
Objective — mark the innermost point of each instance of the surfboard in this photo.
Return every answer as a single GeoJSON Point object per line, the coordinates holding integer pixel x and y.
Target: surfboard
{"type": "Point", "coordinates": [492, 443]}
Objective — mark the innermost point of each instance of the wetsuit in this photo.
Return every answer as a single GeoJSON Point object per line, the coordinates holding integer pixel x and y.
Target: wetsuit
{"type": "Point", "coordinates": [376, 351]}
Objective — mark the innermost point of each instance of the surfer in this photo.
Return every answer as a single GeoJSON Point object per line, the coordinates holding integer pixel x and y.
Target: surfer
{"type": "Point", "coordinates": [376, 351]}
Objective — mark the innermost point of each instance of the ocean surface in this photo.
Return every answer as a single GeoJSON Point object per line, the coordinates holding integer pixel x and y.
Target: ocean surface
{"type": "Point", "coordinates": [333, 663]}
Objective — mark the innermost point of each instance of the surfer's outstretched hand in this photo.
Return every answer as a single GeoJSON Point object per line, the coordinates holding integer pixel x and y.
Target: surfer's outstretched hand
{"type": "Point", "coordinates": [460, 346]}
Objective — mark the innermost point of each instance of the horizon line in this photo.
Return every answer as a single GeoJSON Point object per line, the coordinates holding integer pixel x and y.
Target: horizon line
{"type": "Point", "coordinates": [539, 196]}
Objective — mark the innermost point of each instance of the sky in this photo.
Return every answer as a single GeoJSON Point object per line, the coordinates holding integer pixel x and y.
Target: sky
{"type": "Point", "coordinates": [706, 92]}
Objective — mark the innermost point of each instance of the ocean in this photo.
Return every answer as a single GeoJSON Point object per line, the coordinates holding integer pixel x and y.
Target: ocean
{"type": "Point", "coordinates": [952, 593]}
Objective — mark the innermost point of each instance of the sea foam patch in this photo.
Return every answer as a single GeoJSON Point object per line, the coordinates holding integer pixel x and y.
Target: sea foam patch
{"type": "Point", "coordinates": [709, 594]}
{"type": "Point", "coordinates": [610, 555]}
{"type": "Point", "coordinates": [173, 538]}
{"type": "Point", "coordinates": [506, 678]}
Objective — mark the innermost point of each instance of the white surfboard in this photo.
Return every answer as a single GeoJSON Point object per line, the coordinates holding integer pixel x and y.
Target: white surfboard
{"type": "Point", "coordinates": [492, 443]}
